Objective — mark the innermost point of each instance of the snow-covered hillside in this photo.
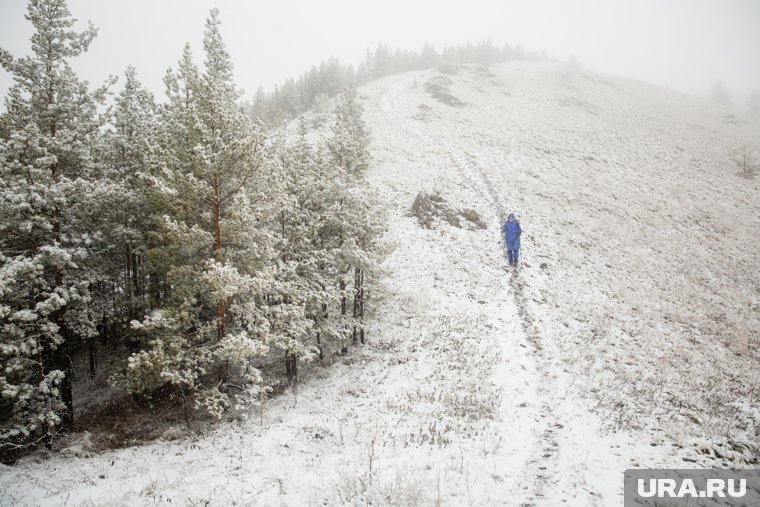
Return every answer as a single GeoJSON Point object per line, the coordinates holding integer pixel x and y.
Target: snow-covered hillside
{"type": "Point", "coordinates": [628, 338]}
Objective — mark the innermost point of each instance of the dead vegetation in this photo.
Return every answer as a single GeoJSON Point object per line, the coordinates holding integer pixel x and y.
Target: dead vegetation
{"type": "Point", "coordinates": [747, 160]}
{"type": "Point", "coordinates": [450, 69]}
{"type": "Point", "coordinates": [438, 88]}
{"type": "Point", "coordinates": [423, 113]}
{"type": "Point", "coordinates": [429, 208]}
{"type": "Point", "coordinates": [484, 71]}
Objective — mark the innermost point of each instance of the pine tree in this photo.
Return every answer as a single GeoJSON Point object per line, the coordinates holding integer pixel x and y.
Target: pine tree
{"type": "Point", "coordinates": [429, 57]}
{"type": "Point", "coordinates": [357, 223]}
{"type": "Point", "coordinates": [209, 184]}
{"type": "Point", "coordinates": [49, 178]}
{"type": "Point", "coordinates": [318, 189]}
{"type": "Point", "coordinates": [127, 282]}
{"type": "Point", "coordinates": [295, 225]}
{"type": "Point", "coordinates": [259, 111]}
{"type": "Point", "coordinates": [349, 142]}
{"type": "Point", "coordinates": [382, 62]}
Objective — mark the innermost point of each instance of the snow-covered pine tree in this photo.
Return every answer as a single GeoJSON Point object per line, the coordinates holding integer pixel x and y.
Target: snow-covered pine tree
{"type": "Point", "coordinates": [429, 56]}
{"type": "Point", "coordinates": [361, 250]}
{"type": "Point", "coordinates": [312, 240]}
{"type": "Point", "coordinates": [358, 222]}
{"type": "Point", "coordinates": [46, 230]}
{"type": "Point", "coordinates": [210, 189]}
{"type": "Point", "coordinates": [349, 140]}
{"type": "Point", "coordinates": [126, 282]}
{"type": "Point", "coordinates": [258, 109]}
{"type": "Point", "coordinates": [287, 300]}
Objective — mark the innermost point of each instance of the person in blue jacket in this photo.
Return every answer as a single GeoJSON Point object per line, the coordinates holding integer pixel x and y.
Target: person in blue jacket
{"type": "Point", "coordinates": [512, 231]}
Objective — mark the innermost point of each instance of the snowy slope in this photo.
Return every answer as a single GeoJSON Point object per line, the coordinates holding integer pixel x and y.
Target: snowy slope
{"type": "Point", "coordinates": [628, 337]}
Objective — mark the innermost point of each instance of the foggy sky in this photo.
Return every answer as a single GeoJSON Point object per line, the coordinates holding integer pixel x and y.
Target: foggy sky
{"type": "Point", "coordinates": [683, 44]}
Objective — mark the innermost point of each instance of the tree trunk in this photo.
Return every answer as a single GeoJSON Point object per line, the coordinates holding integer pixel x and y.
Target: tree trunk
{"type": "Point", "coordinates": [63, 363]}
{"type": "Point", "coordinates": [127, 280]}
{"type": "Point", "coordinates": [357, 287]}
{"type": "Point", "coordinates": [57, 359]}
{"type": "Point", "coordinates": [358, 334]}
{"type": "Point", "coordinates": [93, 357]}
{"type": "Point", "coordinates": [361, 306]}
{"type": "Point", "coordinates": [319, 346]}
{"type": "Point", "coordinates": [343, 304]}
{"type": "Point", "coordinates": [135, 276]}
{"type": "Point", "coordinates": [325, 316]}
{"type": "Point", "coordinates": [291, 366]}
{"type": "Point", "coordinates": [221, 305]}
{"type": "Point", "coordinates": [129, 269]}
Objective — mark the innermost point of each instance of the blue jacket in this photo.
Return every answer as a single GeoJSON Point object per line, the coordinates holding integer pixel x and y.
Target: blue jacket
{"type": "Point", "coordinates": [512, 232]}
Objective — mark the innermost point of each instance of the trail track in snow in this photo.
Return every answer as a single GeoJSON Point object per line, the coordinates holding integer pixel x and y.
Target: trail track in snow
{"type": "Point", "coordinates": [541, 470]}
{"type": "Point", "coordinates": [611, 173]}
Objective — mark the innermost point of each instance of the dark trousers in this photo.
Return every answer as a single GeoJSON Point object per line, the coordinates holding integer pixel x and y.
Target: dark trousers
{"type": "Point", "coordinates": [512, 254]}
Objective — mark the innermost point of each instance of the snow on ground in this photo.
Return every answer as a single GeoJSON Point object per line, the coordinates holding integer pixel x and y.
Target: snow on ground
{"type": "Point", "coordinates": [627, 339]}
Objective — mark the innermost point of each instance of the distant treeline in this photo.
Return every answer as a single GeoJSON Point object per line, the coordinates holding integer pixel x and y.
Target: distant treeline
{"type": "Point", "coordinates": [313, 88]}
